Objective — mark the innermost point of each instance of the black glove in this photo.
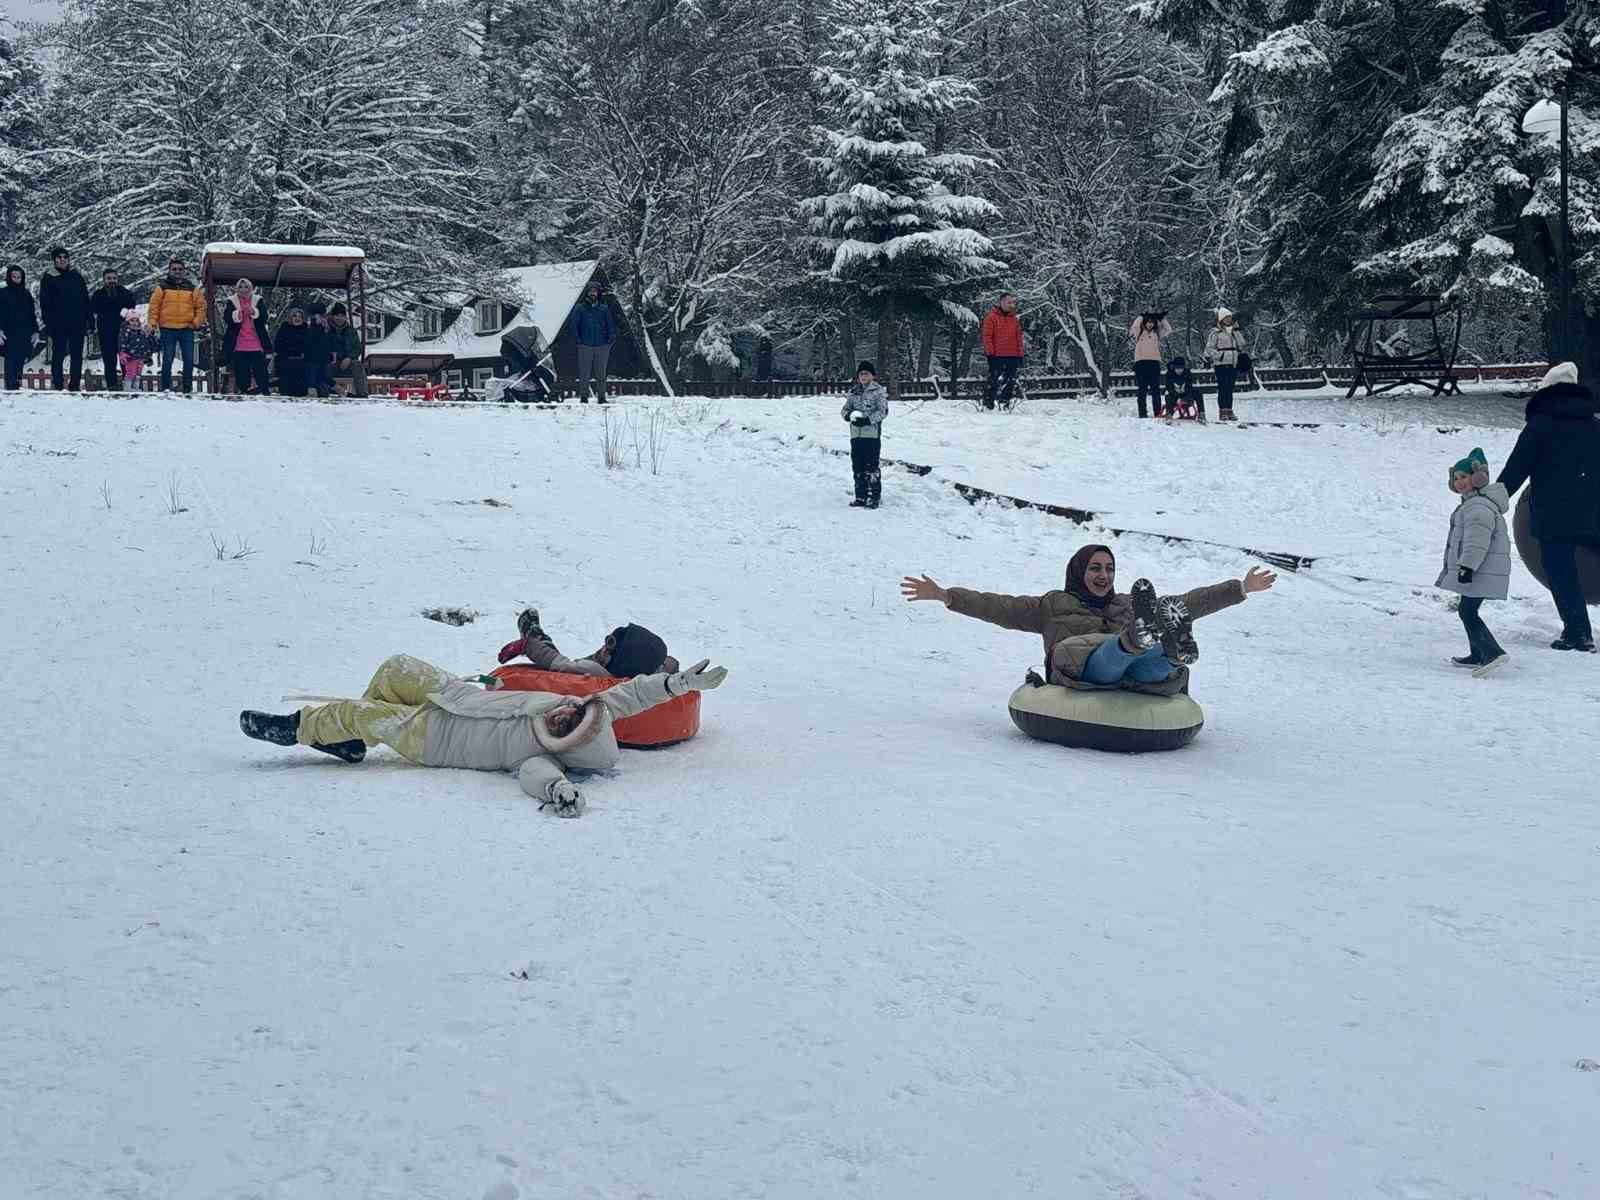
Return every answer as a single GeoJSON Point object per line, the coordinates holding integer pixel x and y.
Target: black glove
{"type": "Point", "coordinates": [1463, 574]}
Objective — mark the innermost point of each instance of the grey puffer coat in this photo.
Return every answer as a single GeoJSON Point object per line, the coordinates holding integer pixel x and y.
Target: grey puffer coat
{"type": "Point", "coordinates": [1478, 539]}
{"type": "Point", "coordinates": [871, 401]}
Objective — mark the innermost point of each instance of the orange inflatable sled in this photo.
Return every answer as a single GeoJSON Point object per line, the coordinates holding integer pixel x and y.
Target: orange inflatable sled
{"type": "Point", "coordinates": [677, 720]}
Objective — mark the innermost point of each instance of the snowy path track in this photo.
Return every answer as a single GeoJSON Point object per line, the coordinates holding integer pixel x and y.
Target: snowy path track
{"type": "Point", "coordinates": [859, 939]}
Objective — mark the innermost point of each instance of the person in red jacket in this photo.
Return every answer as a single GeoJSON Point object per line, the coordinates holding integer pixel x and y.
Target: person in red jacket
{"type": "Point", "coordinates": [1002, 344]}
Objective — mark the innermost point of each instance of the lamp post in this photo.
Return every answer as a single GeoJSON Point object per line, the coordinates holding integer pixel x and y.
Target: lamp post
{"type": "Point", "coordinates": [1544, 118]}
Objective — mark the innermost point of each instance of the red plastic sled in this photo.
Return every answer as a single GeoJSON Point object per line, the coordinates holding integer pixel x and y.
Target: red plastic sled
{"type": "Point", "coordinates": [676, 720]}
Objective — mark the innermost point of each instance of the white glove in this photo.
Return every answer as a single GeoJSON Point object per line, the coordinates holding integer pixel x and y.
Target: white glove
{"type": "Point", "coordinates": [697, 678]}
{"type": "Point", "coordinates": [565, 799]}
{"type": "Point", "coordinates": [857, 415]}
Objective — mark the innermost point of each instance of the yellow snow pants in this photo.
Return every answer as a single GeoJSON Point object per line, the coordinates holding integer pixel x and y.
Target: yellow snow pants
{"type": "Point", "coordinates": [392, 712]}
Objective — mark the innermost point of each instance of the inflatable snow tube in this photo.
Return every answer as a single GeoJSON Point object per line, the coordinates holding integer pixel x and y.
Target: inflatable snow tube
{"type": "Point", "coordinates": [1120, 721]}
{"type": "Point", "coordinates": [676, 720]}
{"type": "Point", "coordinates": [1532, 554]}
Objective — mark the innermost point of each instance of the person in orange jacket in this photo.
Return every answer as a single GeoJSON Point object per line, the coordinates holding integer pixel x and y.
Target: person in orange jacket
{"type": "Point", "coordinates": [177, 308]}
{"type": "Point", "coordinates": [1002, 345]}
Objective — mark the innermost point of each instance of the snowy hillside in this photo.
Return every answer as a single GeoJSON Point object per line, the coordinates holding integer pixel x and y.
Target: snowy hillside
{"type": "Point", "coordinates": [861, 938]}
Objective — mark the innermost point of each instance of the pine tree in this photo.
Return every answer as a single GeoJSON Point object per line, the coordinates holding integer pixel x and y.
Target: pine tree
{"type": "Point", "coordinates": [898, 237]}
{"type": "Point", "coordinates": [1381, 148]}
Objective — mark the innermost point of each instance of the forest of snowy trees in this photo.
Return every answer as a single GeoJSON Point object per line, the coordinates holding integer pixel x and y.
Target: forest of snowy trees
{"type": "Point", "coordinates": [824, 180]}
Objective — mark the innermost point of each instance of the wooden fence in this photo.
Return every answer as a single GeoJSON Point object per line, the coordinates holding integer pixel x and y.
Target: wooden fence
{"type": "Point", "coordinates": [1043, 387]}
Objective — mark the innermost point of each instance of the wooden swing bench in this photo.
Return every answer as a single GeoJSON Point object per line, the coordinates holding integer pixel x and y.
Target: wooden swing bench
{"type": "Point", "coordinates": [1380, 370]}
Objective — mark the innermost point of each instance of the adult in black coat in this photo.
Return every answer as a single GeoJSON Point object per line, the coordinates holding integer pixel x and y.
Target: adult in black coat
{"type": "Point", "coordinates": [319, 350]}
{"type": "Point", "coordinates": [19, 324]}
{"type": "Point", "coordinates": [106, 303]}
{"type": "Point", "coordinates": [289, 347]}
{"type": "Point", "coordinates": [1559, 451]}
{"type": "Point", "coordinates": [64, 311]}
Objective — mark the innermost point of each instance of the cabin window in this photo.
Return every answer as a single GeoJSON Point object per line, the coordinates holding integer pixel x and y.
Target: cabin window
{"type": "Point", "coordinates": [430, 322]}
{"type": "Point", "coordinates": [488, 316]}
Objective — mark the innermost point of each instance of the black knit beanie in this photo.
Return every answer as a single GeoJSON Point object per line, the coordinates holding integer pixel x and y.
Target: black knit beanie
{"type": "Point", "coordinates": [635, 651]}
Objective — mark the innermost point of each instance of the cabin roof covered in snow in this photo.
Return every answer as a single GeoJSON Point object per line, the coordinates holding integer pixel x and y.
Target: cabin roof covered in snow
{"type": "Point", "coordinates": [543, 295]}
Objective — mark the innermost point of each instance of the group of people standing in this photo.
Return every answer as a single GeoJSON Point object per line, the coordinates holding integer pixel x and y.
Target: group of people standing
{"type": "Point", "coordinates": [311, 346]}
{"type": "Point", "coordinates": [67, 311]}
{"type": "Point", "coordinates": [1226, 352]}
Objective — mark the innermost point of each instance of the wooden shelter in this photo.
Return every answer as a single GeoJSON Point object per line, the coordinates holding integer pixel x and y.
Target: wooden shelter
{"type": "Point", "coordinates": [1382, 370]}
{"type": "Point", "coordinates": [272, 265]}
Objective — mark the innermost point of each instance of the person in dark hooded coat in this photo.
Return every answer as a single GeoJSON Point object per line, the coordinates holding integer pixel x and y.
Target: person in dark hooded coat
{"type": "Point", "coordinates": [1558, 451]}
{"type": "Point", "coordinates": [19, 324]}
{"type": "Point", "coordinates": [628, 650]}
{"type": "Point", "coordinates": [64, 310]}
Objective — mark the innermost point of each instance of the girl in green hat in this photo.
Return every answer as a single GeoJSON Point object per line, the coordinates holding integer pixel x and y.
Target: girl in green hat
{"type": "Point", "coordinates": [1477, 557]}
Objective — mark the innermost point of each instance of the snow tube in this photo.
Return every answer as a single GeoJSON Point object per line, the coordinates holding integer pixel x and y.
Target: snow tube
{"type": "Point", "coordinates": [1532, 554]}
{"type": "Point", "coordinates": [676, 720]}
{"type": "Point", "coordinates": [1108, 719]}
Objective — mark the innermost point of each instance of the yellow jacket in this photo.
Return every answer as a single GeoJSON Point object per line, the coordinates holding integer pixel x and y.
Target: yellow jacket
{"type": "Point", "coordinates": [176, 308]}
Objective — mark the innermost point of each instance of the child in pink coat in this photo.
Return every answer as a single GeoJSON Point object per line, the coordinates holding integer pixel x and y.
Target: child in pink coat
{"type": "Point", "coordinates": [134, 349]}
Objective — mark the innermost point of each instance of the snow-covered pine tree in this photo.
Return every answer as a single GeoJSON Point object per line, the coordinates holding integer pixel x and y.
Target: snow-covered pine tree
{"type": "Point", "coordinates": [896, 234]}
{"type": "Point", "coordinates": [21, 102]}
{"type": "Point", "coordinates": [1381, 147]}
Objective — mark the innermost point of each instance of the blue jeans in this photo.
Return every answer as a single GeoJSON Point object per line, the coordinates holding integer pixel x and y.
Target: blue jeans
{"type": "Point", "coordinates": [183, 341]}
{"type": "Point", "coordinates": [1110, 663]}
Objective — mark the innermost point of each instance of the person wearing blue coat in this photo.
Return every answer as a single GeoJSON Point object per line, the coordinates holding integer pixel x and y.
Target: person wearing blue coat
{"type": "Point", "coordinates": [595, 330]}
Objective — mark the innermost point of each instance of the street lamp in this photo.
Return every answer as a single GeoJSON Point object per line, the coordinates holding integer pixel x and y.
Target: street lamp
{"type": "Point", "coordinates": [1548, 117]}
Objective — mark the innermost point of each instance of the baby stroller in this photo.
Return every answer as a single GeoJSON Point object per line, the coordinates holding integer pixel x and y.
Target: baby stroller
{"type": "Point", "coordinates": [532, 382]}
{"type": "Point", "coordinates": [1184, 401]}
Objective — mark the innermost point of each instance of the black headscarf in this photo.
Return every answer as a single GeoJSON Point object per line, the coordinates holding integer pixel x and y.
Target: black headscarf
{"type": "Point", "coordinates": [18, 267]}
{"type": "Point", "coordinates": [1075, 569]}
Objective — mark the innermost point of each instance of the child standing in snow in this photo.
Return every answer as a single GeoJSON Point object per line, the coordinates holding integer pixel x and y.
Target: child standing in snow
{"type": "Point", "coordinates": [135, 347]}
{"type": "Point", "coordinates": [866, 404]}
{"type": "Point", "coordinates": [1477, 557]}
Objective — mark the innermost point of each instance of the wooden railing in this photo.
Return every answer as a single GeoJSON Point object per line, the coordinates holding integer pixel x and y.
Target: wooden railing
{"type": "Point", "coordinates": [1044, 387]}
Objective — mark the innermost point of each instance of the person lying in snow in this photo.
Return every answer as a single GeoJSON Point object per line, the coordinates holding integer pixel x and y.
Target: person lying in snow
{"type": "Point", "coordinates": [436, 719]}
{"type": "Point", "coordinates": [1097, 637]}
{"type": "Point", "coordinates": [629, 650]}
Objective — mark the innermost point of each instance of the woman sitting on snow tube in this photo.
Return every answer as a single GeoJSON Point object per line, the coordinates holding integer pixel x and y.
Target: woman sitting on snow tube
{"type": "Point", "coordinates": [1099, 640]}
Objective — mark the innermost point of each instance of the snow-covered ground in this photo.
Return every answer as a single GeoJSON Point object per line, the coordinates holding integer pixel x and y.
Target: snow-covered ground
{"type": "Point", "coordinates": [861, 938]}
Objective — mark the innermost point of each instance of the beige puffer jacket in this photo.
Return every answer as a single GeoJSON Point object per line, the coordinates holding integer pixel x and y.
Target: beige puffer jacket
{"type": "Point", "coordinates": [1072, 630]}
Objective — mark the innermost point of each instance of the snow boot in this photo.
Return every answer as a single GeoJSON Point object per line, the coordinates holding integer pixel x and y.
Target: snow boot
{"type": "Point", "coordinates": [1491, 666]}
{"type": "Point", "coordinates": [284, 731]}
{"type": "Point", "coordinates": [1565, 643]}
{"type": "Point", "coordinates": [269, 727]}
{"type": "Point", "coordinates": [1466, 660]}
{"type": "Point", "coordinates": [528, 625]}
{"type": "Point", "coordinates": [1168, 618]}
{"type": "Point", "coordinates": [861, 490]}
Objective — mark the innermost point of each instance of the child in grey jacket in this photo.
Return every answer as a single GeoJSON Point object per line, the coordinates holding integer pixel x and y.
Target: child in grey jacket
{"type": "Point", "coordinates": [866, 405]}
{"type": "Point", "coordinates": [1477, 557]}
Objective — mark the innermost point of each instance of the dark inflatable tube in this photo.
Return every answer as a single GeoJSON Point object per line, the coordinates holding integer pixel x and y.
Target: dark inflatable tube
{"type": "Point", "coordinates": [1532, 554]}
{"type": "Point", "coordinates": [1119, 721]}
{"type": "Point", "coordinates": [667, 724]}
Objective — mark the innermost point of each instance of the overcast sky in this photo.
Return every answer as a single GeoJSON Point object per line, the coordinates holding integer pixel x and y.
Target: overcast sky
{"type": "Point", "coordinates": [29, 10]}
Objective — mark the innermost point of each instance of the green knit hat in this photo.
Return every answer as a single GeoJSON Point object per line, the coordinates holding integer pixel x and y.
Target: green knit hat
{"type": "Point", "coordinates": [1475, 464]}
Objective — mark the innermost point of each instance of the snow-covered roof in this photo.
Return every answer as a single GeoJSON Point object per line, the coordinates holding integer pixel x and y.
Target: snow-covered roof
{"type": "Point", "coordinates": [543, 294]}
{"type": "Point", "coordinates": [283, 250]}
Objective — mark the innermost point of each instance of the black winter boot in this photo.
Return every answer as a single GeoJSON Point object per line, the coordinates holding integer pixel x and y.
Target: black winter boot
{"type": "Point", "coordinates": [284, 731]}
{"type": "Point", "coordinates": [269, 727]}
{"type": "Point", "coordinates": [1168, 618]}
{"type": "Point", "coordinates": [861, 490]}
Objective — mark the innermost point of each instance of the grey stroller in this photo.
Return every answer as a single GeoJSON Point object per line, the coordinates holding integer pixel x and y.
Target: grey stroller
{"type": "Point", "coordinates": [531, 382]}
